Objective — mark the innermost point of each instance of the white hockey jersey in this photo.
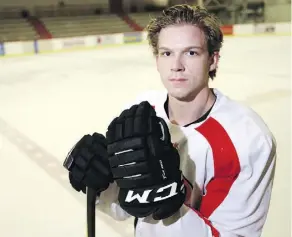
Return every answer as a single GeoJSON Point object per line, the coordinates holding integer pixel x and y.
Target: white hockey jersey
{"type": "Point", "coordinates": [229, 158]}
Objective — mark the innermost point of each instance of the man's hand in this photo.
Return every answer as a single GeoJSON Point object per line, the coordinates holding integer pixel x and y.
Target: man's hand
{"type": "Point", "coordinates": [88, 164]}
{"type": "Point", "coordinates": [144, 163]}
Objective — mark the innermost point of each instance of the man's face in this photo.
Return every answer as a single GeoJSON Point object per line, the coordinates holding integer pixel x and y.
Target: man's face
{"type": "Point", "coordinates": [183, 61]}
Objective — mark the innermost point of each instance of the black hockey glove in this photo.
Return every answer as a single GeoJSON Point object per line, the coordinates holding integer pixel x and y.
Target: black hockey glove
{"type": "Point", "coordinates": [88, 164]}
{"type": "Point", "coordinates": [145, 164]}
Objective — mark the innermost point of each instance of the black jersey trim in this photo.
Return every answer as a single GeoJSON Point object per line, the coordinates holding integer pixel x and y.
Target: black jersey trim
{"type": "Point", "coordinates": [202, 118]}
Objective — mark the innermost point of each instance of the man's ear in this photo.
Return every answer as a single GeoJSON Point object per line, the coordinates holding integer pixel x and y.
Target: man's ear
{"type": "Point", "coordinates": [214, 60]}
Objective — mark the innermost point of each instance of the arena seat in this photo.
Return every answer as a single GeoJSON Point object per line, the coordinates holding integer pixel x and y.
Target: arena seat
{"type": "Point", "coordinates": [143, 18]}
{"type": "Point", "coordinates": [16, 30]}
{"type": "Point", "coordinates": [61, 27]}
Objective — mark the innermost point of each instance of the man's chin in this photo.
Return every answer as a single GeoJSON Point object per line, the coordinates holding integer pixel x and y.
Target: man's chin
{"type": "Point", "coordinates": [181, 95]}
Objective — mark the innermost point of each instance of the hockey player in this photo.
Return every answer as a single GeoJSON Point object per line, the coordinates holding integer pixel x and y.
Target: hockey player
{"type": "Point", "coordinates": [187, 162]}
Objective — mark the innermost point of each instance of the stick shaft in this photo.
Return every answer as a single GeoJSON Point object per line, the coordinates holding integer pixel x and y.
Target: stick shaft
{"type": "Point", "coordinates": [91, 198]}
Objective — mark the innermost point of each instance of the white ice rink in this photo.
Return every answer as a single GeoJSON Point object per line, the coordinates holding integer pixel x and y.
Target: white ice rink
{"type": "Point", "coordinates": [47, 102]}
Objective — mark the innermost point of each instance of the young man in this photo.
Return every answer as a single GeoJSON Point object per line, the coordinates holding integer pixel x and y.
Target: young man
{"type": "Point", "coordinates": [189, 161]}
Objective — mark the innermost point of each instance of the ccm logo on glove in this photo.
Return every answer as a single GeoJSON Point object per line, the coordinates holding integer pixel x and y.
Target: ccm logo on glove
{"type": "Point", "coordinates": [151, 195]}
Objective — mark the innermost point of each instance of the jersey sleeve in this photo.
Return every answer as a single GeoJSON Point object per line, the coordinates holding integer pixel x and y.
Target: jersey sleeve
{"type": "Point", "coordinates": [236, 199]}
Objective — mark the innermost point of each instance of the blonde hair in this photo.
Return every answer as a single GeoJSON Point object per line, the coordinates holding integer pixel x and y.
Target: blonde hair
{"type": "Point", "coordinates": [186, 14]}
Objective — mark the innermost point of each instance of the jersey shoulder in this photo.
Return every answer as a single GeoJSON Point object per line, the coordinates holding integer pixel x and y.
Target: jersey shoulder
{"type": "Point", "coordinates": [240, 119]}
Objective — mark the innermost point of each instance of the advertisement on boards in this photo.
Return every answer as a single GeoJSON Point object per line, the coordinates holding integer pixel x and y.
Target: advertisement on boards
{"type": "Point", "coordinates": [2, 52]}
{"type": "Point", "coordinates": [105, 39]}
{"type": "Point", "coordinates": [73, 42]}
{"type": "Point", "coordinates": [133, 37]}
{"type": "Point", "coordinates": [227, 29]}
{"type": "Point", "coordinates": [264, 28]}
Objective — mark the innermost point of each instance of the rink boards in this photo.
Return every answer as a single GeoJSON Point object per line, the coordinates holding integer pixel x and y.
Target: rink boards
{"type": "Point", "coordinates": [97, 41]}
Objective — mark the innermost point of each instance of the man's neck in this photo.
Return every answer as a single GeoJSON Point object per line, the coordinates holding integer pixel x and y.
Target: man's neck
{"type": "Point", "coordinates": [186, 112]}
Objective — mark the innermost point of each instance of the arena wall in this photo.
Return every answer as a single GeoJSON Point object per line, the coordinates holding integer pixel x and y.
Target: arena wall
{"type": "Point", "coordinates": [30, 5]}
{"type": "Point", "coordinates": [278, 12]}
{"type": "Point", "coordinates": [113, 40]}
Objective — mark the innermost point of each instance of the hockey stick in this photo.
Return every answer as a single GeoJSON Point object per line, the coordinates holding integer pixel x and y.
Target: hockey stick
{"type": "Point", "coordinates": [90, 200]}
{"type": "Point", "coordinates": [90, 205]}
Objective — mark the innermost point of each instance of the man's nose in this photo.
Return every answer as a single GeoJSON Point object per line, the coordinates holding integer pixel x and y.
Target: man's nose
{"type": "Point", "coordinates": [177, 65]}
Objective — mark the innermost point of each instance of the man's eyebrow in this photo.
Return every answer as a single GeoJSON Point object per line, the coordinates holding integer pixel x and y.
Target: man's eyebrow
{"type": "Point", "coordinates": [186, 48]}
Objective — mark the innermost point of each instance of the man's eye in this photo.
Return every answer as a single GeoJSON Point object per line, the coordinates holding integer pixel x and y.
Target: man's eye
{"type": "Point", "coordinates": [165, 53]}
{"type": "Point", "coordinates": [192, 53]}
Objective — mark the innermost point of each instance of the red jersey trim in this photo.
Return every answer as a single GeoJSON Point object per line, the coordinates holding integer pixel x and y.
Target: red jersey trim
{"type": "Point", "coordinates": [226, 165]}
